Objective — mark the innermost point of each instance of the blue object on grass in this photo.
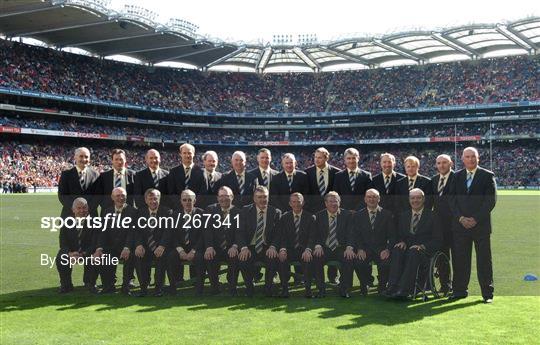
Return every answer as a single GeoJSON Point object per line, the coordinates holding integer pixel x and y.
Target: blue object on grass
{"type": "Point", "coordinates": [529, 277]}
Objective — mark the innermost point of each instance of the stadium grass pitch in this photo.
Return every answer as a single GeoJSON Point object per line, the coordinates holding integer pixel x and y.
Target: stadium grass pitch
{"type": "Point", "coordinates": [32, 312]}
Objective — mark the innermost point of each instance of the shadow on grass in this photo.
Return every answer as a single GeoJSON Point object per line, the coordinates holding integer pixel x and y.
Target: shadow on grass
{"type": "Point", "coordinates": [368, 310]}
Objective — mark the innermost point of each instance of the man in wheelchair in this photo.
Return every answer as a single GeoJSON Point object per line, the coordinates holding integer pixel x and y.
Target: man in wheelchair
{"type": "Point", "coordinates": [419, 237]}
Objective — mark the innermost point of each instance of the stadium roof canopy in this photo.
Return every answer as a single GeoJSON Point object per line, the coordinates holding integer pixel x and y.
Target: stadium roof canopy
{"type": "Point", "coordinates": [133, 32]}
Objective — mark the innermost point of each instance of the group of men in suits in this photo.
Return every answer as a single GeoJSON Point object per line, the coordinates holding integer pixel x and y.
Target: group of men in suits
{"type": "Point", "coordinates": [308, 218]}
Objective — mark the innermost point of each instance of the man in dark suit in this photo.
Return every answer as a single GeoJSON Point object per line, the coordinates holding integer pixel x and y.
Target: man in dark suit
{"type": "Point", "coordinates": [264, 173]}
{"type": "Point", "coordinates": [331, 241]}
{"type": "Point", "coordinates": [117, 241]}
{"type": "Point", "coordinates": [296, 226]}
{"type": "Point", "coordinates": [473, 197]}
{"type": "Point", "coordinates": [151, 177]}
{"type": "Point", "coordinates": [187, 175]}
{"type": "Point", "coordinates": [75, 243]}
{"type": "Point", "coordinates": [412, 180]}
{"type": "Point", "coordinates": [220, 239]}
{"type": "Point", "coordinates": [79, 181]}
{"type": "Point", "coordinates": [211, 180]}
{"type": "Point", "coordinates": [320, 180]}
{"type": "Point", "coordinates": [440, 190]}
{"type": "Point", "coordinates": [418, 238]}
{"type": "Point", "coordinates": [188, 240]}
{"type": "Point", "coordinates": [259, 239]}
{"type": "Point", "coordinates": [152, 242]}
{"type": "Point", "coordinates": [351, 184]}
{"type": "Point", "coordinates": [373, 233]}
{"type": "Point", "coordinates": [118, 176]}
{"type": "Point", "coordinates": [289, 181]}
{"type": "Point", "coordinates": [239, 180]}
{"type": "Point", "coordinates": [386, 182]}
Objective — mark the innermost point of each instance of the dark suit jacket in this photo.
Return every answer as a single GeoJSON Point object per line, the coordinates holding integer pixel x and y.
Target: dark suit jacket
{"type": "Point", "coordinates": [161, 234]}
{"type": "Point", "coordinates": [288, 231]}
{"type": "Point", "coordinates": [441, 203]}
{"type": "Point", "coordinates": [230, 180]}
{"type": "Point", "coordinates": [315, 202]}
{"type": "Point", "coordinates": [209, 196]}
{"type": "Point", "coordinates": [248, 225]}
{"type": "Point", "coordinates": [381, 237]}
{"type": "Point", "coordinates": [402, 190]}
{"type": "Point", "coordinates": [70, 241]}
{"type": "Point", "coordinates": [257, 173]}
{"type": "Point", "coordinates": [280, 191]}
{"type": "Point", "coordinates": [478, 202]}
{"type": "Point", "coordinates": [352, 200]}
{"type": "Point", "coordinates": [320, 235]}
{"type": "Point", "coordinates": [69, 189]}
{"type": "Point", "coordinates": [143, 181]}
{"type": "Point", "coordinates": [105, 185]}
{"type": "Point", "coordinates": [176, 184]}
{"type": "Point", "coordinates": [214, 235]}
{"type": "Point", "coordinates": [116, 238]}
{"type": "Point", "coordinates": [428, 231]}
{"type": "Point", "coordinates": [193, 229]}
{"type": "Point", "coordinates": [388, 196]}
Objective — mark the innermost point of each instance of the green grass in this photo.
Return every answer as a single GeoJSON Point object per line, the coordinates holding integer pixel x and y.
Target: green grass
{"type": "Point", "coordinates": [31, 311]}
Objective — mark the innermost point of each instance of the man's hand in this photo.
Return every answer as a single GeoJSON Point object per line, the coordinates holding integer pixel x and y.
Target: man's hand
{"type": "Point", "coordinates": [306, 256]}
{"type": "Point", "coordinates": [98, 253]}
{"type": "Point", "coordinates": [245, 253]}
{"type": "Point", "coordinates": [159, 251]}
{"type": "Point", "coordinates": [418, 247]}
{"type": "Point", "coordinates": [271, 253]}
{"type": "Point", "coordinates": [233, 252]}
{"type": "Point", "coordinates": [349, 253]}
{"type": "Point", "coordinates": [191, 255]}
{"type": "Point", "coordinates": [385, 254]}
{"type": "Point", "coordinates": [124, 255]}
{"type": "Point", "coordinates": [467, 222]}
{"type": "Point", "coordinates": [401, 245]}
{"type": "Point", "coordinates": [362, 254]}
{"type": "Point", "coordinates": [209, 254]}
{"type": "Point", "coordinates": [282, 255]}
{"type": "Point", "coordinates": [73, 254]}
{"type": "Point", "coordinates": [139, 251]}
{"type": "Point", "coordinates": [318, 252]}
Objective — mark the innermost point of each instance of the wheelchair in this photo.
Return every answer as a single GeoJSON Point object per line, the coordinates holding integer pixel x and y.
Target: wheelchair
{"type": "Point", "coordinates": [433, 277]}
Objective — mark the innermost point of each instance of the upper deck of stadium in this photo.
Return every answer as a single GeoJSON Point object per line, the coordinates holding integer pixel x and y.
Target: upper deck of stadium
{"type": "Point", "coordinates": [133, 32]}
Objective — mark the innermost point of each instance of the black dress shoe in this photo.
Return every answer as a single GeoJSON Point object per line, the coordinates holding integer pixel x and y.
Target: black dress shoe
{"type": "Point", "coordinates": [91, 288]}
{"type": "Point", "coordinates": [109, 290]}
{"type": "Point", "coordinates": [364, 291]}
{"type": "Point", "coordinates": [142, 293]}
{"type": "Point", "coordinates": [345, 295]}
{"type": "Point", "coordinates": [284, 294]}
{"type": "Point", "coordinates": [488, 300]}
{"type": "Point", "coordinates": [320, 294]}
{"type": "Point", "coordinates": [308, 294]}
{"type": "Point", "coordinates": [233, 292]}
{"type": "Point", "coordinates": [454, 297]}
{"type": "Point", "coordinates": [125, 290]}
{"type": "Point", "coordinates": [158, 293]}
{"type": "Point", "coordinates": [65, 289]}
{"type": "Point", "coordinates": [401, 296]}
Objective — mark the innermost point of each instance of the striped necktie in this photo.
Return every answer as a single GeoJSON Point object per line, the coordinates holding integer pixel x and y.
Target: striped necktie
{"type": "Point", "coordinates": [296, 230]}
{"type": "Point", "coordinates": [155, 178]}
{"type": "Point", "coordinates": [259, 233]}
{"type": "Point", "coordinates": [289, 180]}
{"type": "Point", "coordinates": [332, 233]}
{"type": "Point", "coordinates": [411, 184]}
{"type": "Point", "coordinates": [440, 189]}
{"type": "Point", "coordinates": [240, 184]}
{"type": "Point", "coordinates": [414, 223]}
{"type": "Point", "coordinates": [386, 183]}
{"type": "Point", "coordinates": [210, 178]}
{"type": "Point", "coordinates": [469, 180]}
{"type": "Point", "coordinates": [187, 177]}
{"type": "Point", "coordinates": [264, 179]}
{"type": "Point", "coordinates": [118, 179]}
{"type": "Point", "coordinates": [322, 184]}
{"type": "Point", "coordinates": [223, 244]}
{"type": "Point", "coordinates": [352, 179]}
{"type": "Point", "coordinates": [82, 179]}
{"type": "Point", "coordinates": [152, 244]}
{"type": "Point", "coordinates": [372, 217]}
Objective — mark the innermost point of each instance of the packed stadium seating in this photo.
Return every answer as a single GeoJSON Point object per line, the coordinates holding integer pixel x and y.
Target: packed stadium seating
{"type": "Point", "coordinates": [457, 83]}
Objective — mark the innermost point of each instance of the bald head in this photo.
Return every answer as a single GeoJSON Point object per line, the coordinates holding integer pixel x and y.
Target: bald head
{"type": "Point", "coordinates": [443, 164]}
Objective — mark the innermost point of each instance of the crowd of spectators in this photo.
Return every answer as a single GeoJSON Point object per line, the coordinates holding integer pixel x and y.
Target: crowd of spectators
{"type": "Point", "coordinates": [181, 134]}
{"type": "Point", "coordinates": [456, 83]}
{"type": "Point", "coordinates": [30, 163]}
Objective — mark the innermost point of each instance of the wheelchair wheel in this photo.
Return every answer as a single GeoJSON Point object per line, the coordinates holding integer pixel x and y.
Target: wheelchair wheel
{"type": "Point", "coordinates": [440, 275]}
